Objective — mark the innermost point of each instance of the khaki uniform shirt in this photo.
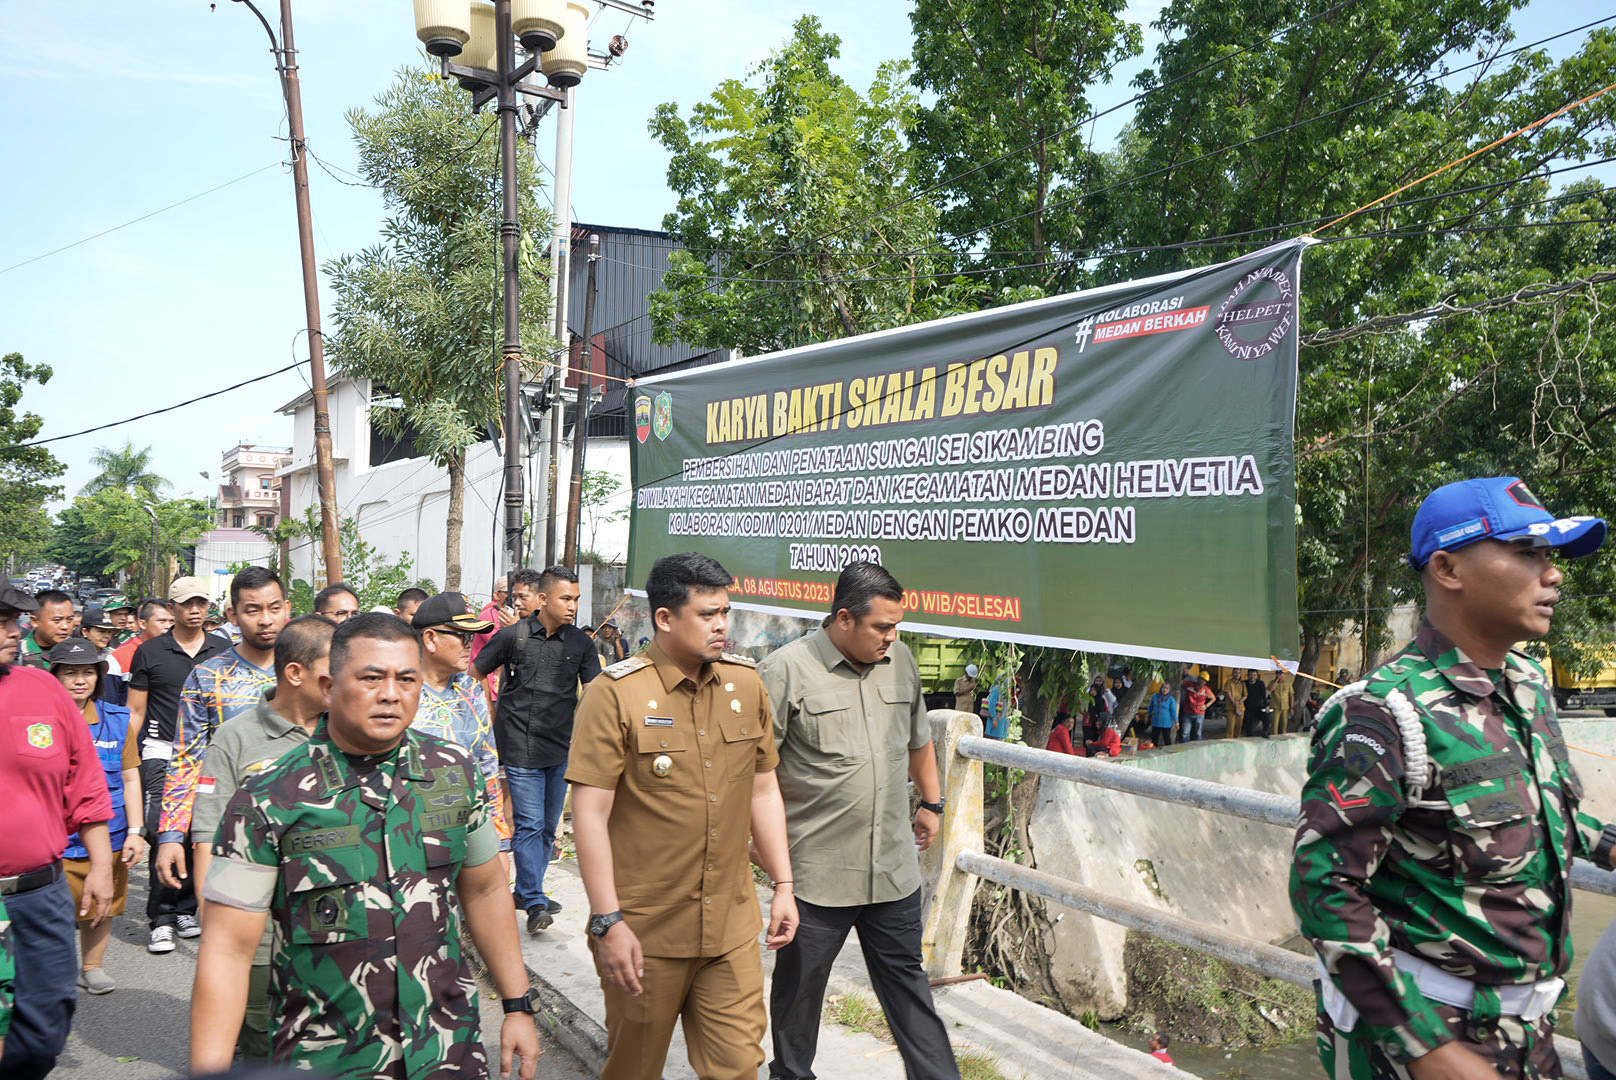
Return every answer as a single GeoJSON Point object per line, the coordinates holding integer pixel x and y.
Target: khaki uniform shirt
{"type": "Point", "coordinates": [680, 757]}
{"type": "Point", "coordinates": [844, 738]}
{"type": "Point", "coordinates": [965, 694]}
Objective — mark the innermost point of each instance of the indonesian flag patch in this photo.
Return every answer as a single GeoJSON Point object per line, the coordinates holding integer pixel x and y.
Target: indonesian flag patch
{"type": "Point", "coordinates": [205, 784]}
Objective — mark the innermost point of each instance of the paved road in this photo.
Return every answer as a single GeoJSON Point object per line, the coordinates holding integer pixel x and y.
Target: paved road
{"type": "Point", "coordinates": [140, 1031]}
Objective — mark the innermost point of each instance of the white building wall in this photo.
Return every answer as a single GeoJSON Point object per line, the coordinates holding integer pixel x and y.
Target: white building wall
{"type": "Point", "coordinates": [402, 506]}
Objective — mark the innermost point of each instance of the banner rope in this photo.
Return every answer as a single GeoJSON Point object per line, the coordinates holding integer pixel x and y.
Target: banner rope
{"type": "Point", "coordinates": [1556, 114]}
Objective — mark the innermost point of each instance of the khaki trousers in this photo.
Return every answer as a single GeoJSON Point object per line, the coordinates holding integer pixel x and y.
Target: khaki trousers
{"type": "Point", "coordinates": [720, 1000]}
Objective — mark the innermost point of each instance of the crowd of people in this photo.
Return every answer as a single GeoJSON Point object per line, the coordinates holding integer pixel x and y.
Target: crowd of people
{"type": "Point", "coordinates": [330, 794]}
{"type": "Point", "coordinates": [334, 794]}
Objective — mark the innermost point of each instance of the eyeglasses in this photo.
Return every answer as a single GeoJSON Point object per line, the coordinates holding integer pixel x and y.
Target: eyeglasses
{"type": "Point", "coordinates": [465, 636]}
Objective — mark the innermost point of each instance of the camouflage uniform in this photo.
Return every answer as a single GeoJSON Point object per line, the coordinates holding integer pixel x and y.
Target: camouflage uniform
{"type": "Point", "coordinates": [1469, 874]}
{"type": "Point", "coordinates": [8, 972]}
{"type": "Point", "coordinates": [357, 868]}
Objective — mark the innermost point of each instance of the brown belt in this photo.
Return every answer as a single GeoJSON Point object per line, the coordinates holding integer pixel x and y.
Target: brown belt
{"type": "Point", "coordinates": [33, 879]}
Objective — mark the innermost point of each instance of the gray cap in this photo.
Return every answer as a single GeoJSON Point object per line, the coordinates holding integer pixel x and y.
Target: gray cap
{"type": "Point", "coordinates": [16, 599]}
{"type": "Point", "coordinates": [96, 618]}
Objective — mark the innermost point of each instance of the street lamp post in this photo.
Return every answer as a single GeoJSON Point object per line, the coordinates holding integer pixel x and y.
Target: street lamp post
{"type": "Point", "coordinates": [285, 53]}
{"type": "Point", "coordinates": [484, 37]}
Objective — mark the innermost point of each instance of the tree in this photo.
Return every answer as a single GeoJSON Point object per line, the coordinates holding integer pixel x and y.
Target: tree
{"type": "Point", "coordinates": [1004, 133]}
{"type": "Point", "coordinates": [127, 469]}
{"type": "Point", "coordinates": [419, 313]}
{"type": "Point", "coordinates": [113, 532]}
{"type": "Point", "coordinates": [374, 579]}
{"type": "Point", "coordinates": [1329, 116]}
{"type": "Point", "coordinates": [779, 179]}
{"type": "Point", "coordinates": [24, 470]}
{"type": "Point", "coordinates": [600, 489]}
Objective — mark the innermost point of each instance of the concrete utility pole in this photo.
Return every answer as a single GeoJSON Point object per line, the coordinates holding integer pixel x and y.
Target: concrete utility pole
{"type": "Point", "coordinates": [509, 236]}
{"type": "Point", "coordinates": [561, 266]}
{"type": "Point", "coordinates": [285, 53]}
{"type": "Point", "coordinates": [580, 416]}
{"type": "Point", "coordinates": [284, 50]}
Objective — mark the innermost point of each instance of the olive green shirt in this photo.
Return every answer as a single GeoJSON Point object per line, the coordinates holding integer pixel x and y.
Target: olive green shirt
{"type": "Point", "coordinates": [242, 746]}
{"type": "Point", "coordinates": [844, 737]}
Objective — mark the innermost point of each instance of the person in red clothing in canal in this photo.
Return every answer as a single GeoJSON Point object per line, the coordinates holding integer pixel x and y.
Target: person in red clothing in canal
{"type": "Point", "coordinates": [1060, 736]}
{"type": "Point", "coordinates": [54, 785]}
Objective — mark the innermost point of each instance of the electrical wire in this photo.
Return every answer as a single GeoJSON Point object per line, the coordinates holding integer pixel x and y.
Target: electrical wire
{"type": "Point", "coordinates": [142, 217]}
{"type": "Point", "coordinates": [1090, 192]}
{"type": "Point", "coordinates": [1226, 240]}
{"type": "Point", "coordinates": [157, 412]}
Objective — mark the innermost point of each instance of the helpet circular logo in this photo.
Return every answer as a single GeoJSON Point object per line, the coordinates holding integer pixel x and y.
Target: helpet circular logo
{"type": "Point", "coordinates": [1258, 314]}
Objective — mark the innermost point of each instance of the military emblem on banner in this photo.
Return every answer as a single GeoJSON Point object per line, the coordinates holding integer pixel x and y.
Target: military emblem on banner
{"type": "Point", "coordinates": [664, 415]}
{"type": "Point", "coordinates": [642, 418]}
{"type": "Point", "coordinates": [40, 736]}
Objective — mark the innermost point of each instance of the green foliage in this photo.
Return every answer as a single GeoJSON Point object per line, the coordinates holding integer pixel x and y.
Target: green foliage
{"type": "Point", "coordinates": [420, 312]}
{"type": "Point", "coordinates": [373, 578]}
{"type": "Point", "coordinates": [779, 178]}
{"type": "Point", "coordinates": [112, 532]}
{"type": "Point", "coordinates": [125, 469]}
{"type": "Point", "coordinates": [1204, 999]}
{"type": "Point", "coordinates": [25, 472]}
{"type": "Point", "coordinates": [600, 488]}
{"type": "Point", "coordinates": [1004, 76]}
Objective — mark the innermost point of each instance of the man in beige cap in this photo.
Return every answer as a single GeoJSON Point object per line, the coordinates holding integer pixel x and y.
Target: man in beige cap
{"type": "Point", "coordinates": [156, 676]}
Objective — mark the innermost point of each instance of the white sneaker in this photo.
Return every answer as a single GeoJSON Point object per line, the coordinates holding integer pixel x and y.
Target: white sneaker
{"type": "Point", "coordinates": [186, 926]}
{"type": "Point", "coordinates": [162, 940]}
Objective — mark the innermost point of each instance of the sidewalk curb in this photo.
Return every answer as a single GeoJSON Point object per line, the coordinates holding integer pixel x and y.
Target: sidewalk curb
{"type": "Point", "coordinates": [573, 1030]}
{"type": "Point", "coordinates": [568, 1026]}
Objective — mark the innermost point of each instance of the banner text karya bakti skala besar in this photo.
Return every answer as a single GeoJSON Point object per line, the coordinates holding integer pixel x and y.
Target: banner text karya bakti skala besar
{"type": "Point", "coordinates": [1109, 470]}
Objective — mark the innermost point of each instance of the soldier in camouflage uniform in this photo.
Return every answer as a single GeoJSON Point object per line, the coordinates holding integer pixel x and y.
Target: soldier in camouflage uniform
{"type": "Point", "coordinates": [1441, 814]}
{"type": "Point", "coordinates": [358, 844]}
{"type": "Point", "coordinates": [8, 976]}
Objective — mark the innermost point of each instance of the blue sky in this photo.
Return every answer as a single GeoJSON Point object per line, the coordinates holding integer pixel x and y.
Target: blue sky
{"type": "Point", "coordinates": [115, 109]}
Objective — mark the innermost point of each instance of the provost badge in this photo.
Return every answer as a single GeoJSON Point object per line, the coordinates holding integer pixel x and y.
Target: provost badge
{"type": "Point", "coordinates": [663, 765]}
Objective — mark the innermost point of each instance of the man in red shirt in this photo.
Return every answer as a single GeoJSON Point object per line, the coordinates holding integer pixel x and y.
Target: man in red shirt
{"type": "Point", "coordinates": [54, 785]}
{"type": "Point", "coordinates": [152, 619]}
{"type": "Point", "coordinates": [1196, 699]}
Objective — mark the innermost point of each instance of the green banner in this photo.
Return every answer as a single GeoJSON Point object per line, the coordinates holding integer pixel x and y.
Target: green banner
{"type": "Point", "coordinates": [1109, 470]}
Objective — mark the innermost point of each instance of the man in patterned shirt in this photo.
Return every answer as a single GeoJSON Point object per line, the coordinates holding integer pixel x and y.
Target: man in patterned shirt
{"type": "Point", "coordinates": [453, 706]}
{"type": "Point", "coordinates": [216, 690]}
{"type": "Point", "coordinates": [1440, 816]}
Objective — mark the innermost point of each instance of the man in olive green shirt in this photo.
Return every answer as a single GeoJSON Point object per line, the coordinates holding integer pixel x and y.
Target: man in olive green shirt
{"type": "Point", "coordinates": [247, 744]}
{"type": "Point", "coordinates": [851, 729]}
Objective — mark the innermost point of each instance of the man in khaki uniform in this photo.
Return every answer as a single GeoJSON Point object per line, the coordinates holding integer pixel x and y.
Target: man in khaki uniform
{"type": "Point", "coordinates": [851, 723]}
{"type": "Point", "coordinates": [965, 690]}
{"type": "Point", "coordinates": [672, 766]}
{"type": "Point", "coordinates": [1234, 708]}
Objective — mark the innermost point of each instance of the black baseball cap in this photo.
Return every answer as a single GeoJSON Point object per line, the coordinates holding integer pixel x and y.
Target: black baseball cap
{"type": "Point", "coordinates": [16, 599]}
{"type": "Point", "coordinates": [74, 650]}
{"type": "Point", "coordinates": [95, 618]}
{"type": "Point", "coordinates": [448, 609]}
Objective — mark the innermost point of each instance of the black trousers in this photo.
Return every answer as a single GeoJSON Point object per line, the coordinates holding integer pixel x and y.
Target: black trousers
{"type": "Point", "coordinates": [163, 904]}
{"type": "Point", "coordinates": [889, 935]}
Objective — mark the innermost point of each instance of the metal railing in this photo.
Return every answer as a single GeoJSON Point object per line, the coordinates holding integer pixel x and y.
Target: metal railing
{"type": "Point", "coordinates": [1268, 808]}
{"type": "Point", "coordinates": [1264, 806]}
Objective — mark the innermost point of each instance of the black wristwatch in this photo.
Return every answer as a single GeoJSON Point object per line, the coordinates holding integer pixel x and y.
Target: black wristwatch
{"type": "Point", "coordinates": [599, 924]}
{"type": "Point", "coordinates": [934, 807]}
{"type": "Point", "coordinates": [143, 832]}
{"type": "Point", "coordinates": [523, 1004]}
